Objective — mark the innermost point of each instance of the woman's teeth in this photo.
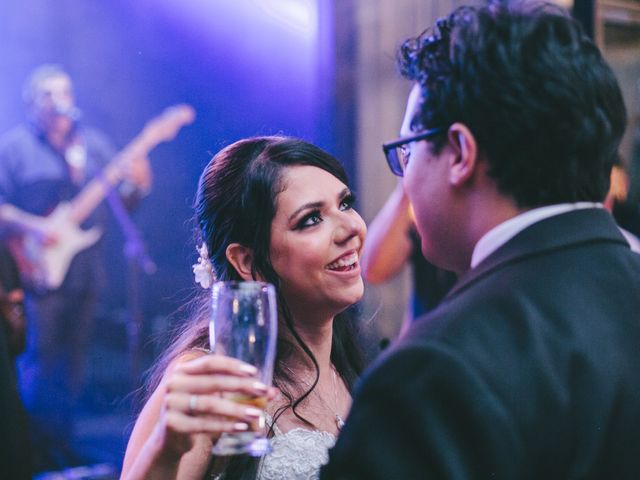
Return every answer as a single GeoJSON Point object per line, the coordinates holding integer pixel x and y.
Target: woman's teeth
{"type": "Point", "coordinates": [341, 264]}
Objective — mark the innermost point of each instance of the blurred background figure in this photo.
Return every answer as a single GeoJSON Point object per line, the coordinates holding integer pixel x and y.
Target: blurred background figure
{"type": "Point", "coordinates": [393, 242]}
{"type": "Point", "coordinates": [44, 162]}
{"type": "Point", "coordinates": [12, 317]}
{"type": "Point", "coordinates": [15, 454]}
{"type": "Point", "coordinates": [617, 202]}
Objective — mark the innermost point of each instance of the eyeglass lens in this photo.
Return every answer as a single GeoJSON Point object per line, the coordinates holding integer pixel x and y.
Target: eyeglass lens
{"type": "Point", "coordinates": [399, 158]}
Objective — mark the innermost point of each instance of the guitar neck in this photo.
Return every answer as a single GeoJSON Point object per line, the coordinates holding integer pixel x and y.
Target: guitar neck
{"type": "Point", "coordinates": [97, 189]}
{"type": "Point", "coordinates": [158, 130]}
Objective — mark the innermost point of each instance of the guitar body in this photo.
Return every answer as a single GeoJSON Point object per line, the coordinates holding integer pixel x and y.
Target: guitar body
{"type": "Point", "coordinates": [44, 266]}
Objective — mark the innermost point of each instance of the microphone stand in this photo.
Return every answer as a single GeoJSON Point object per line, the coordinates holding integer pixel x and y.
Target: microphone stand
{"type": "Point", "coordinates": [137, 260]}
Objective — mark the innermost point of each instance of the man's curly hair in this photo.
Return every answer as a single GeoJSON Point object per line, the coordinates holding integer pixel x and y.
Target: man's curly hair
{"type": "Point", "coordinates": [543, 105]}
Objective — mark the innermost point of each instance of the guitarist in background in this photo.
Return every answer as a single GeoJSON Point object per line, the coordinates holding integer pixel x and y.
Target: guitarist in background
{"type": "Point", "coordinates": [42, 163]}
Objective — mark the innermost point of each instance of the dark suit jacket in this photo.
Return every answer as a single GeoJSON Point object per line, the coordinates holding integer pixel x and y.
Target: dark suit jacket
{"type": "Point", "coordinates": [529, 369]}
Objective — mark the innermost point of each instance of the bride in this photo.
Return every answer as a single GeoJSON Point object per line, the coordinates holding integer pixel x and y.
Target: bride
{"type": "Point", "coordinates": [275, 209]}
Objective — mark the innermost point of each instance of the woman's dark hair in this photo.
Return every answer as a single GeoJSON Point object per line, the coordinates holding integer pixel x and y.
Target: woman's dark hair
{"type": "Point", "coordinates": [236, 202]}
{"type": "Point", "coordinates": [543, 105]}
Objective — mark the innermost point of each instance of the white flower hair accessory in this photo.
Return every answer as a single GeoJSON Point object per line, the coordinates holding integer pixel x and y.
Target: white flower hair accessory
{"type": "Point", "coordinates": [203, 270]}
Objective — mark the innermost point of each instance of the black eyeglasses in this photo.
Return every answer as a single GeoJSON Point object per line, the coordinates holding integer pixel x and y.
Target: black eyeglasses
{"type": "Point", "coordinates": [397, 152]}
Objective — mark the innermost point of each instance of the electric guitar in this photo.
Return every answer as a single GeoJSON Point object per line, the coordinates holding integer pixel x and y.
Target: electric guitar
{"type": "Point", "coordinates": [44, 266]}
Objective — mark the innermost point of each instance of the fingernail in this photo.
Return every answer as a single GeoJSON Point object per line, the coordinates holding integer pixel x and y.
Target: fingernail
{"type": "Point", "coordinates": [253, 412]}
{"type": "Point", "coordinates": [240, 426]}
{"type": "Point", "coordinates": [260, 387]}
{"type": "Point", "coordinates": [250, 369]}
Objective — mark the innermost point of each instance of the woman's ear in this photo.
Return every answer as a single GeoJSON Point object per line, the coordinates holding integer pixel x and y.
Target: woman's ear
{"type": "Point", "coordinates": [465, 154]}
{"type": "Point", "coordinates": [241, 258]}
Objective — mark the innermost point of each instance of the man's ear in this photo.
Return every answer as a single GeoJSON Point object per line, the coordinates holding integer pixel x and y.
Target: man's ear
{"type": "Point", "coordinates": [464, 160]}
{"type": "Point", "coordinates": [241, 258]}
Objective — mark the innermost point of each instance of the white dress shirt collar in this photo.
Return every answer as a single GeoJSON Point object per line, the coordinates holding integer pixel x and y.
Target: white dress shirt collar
{"type": "Point", "coordinates": [505, 231]}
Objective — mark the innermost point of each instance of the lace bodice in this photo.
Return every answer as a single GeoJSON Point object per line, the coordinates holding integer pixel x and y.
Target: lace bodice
{"type": "Point", "coordinates": [297, 455]}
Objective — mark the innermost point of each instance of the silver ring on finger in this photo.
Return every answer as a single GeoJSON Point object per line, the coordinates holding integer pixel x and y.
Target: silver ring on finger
{"type": "Point", "coordinates": [193, 403]}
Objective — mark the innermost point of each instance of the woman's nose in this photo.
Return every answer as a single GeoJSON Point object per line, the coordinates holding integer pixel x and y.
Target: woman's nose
{"type": "Point", "coordinates": [350, 225]}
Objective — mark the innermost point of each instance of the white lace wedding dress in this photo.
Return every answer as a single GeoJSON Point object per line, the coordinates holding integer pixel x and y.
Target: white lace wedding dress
{"type": "Point", "coordinates": [297, 454]}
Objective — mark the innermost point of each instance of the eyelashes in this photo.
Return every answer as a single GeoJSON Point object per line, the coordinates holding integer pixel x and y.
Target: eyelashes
{"type": "Point", "coordinates": [310, 219]}
{"type": "Point", "coordinates": [349, 200]}
{"type": "Point", "coordinates": [314, 217]}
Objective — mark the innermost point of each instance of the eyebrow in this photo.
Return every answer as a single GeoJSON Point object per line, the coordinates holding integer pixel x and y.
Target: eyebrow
{"type": "Point", "coordinates": [314, 205]}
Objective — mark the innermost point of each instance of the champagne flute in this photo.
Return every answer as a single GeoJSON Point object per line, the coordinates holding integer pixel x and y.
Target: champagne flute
{"type": "Point", "coordinates": [243, 325]}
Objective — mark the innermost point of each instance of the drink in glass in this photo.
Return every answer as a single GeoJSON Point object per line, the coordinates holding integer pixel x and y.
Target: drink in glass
{"type": "Point", "coordinates": [243, 325]}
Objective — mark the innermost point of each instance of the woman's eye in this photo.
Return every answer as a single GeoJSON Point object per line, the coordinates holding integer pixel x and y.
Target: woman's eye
{"type": "Point", "coordinates": [347, 202]}
{"type": "Point", "coordinates": [309, 220]}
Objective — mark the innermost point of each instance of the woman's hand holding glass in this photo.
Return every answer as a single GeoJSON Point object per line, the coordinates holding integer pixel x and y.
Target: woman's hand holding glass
{"type": "Point", "coordinates": [197, 400]}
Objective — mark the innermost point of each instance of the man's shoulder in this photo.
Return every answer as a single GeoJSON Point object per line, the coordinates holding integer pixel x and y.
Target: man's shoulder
{"type": "Point", "coordinates": [439, 334]}
{"type": "Point", "coordinates": [18, 145]}
{"type": "Point", "coordinates": [426, 361]}
{"type": "Point", "coordinates": [16, 135]}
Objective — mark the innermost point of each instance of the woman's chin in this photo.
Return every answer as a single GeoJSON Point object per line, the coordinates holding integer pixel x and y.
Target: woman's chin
{"type": "Point", "coordinates": [350, 296]}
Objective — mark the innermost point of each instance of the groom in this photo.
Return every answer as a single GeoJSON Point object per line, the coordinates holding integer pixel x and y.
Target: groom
{"type": "Point", "coordinates": [530, 367]}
